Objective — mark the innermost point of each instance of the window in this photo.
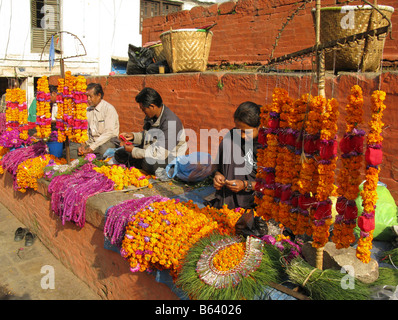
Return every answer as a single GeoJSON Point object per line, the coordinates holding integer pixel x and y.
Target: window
{"type": "Point", "coordinates": [45, 21]}
{"type": "Point", "coordinates": [152, 8]}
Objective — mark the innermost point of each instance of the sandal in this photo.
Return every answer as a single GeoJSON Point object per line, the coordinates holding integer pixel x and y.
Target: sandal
{"type": "Point", "coordinates": [20, 234]}
{"type": "Point", "coordinates": [29, 239]}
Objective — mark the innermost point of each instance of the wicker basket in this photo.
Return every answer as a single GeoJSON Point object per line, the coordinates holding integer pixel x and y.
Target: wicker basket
{"type": "Point", "coordinates": [350, 57]}
{"type": "Point", "coordinates": [158, 52]}
{"type": "Point", "coordinates": [187, 49]}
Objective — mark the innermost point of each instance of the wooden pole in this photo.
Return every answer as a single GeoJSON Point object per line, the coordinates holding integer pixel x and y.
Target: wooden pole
{"type": "Point", "coordinates": [319, 55]}
{"type": "Point", "coordinates": [321, 91]}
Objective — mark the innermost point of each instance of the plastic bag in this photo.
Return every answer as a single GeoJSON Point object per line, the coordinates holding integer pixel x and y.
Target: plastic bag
{"type": "Point", "coordinates": [194, 167]}
{"type": "Point", "coordinates": [385, 213]}
{"type": "Point", "coordinates": [385, 293]}
{"type": "Point", "coordinates": [139, 59]}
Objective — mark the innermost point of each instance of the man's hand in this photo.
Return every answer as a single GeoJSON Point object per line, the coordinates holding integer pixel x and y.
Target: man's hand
{"type": "Point", "coordinates": [84, 150]}
{"type": "Point", "coordinates": [235, 185]}
{"type": "Point", "coordinates": [218, 181]}
{"type": "Point", "coordinates": [128, 148]}
{"type": "Point", "coordinates": [127, 136]}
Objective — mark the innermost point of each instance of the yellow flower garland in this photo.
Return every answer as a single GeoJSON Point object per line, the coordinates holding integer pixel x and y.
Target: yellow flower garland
{"type": "Point", "coordinates": [31, 170]}
{"type": "Point", "coordinates": [124, 177]}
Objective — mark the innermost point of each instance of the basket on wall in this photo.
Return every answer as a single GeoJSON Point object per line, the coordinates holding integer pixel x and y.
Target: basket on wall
{"type": "Point", "coordinates": [158, 52]}
{"type": "Point", "coordinates": [364, 55]}
{"type": "Point", "coordinates": [187, 49]}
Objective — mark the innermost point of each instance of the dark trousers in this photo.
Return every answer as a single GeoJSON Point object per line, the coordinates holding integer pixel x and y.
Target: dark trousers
{"type": "Point", "coordinates": [124, 157]}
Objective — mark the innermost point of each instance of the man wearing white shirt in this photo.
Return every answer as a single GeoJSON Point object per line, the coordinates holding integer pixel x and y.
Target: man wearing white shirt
{"type": "Point", "coordinates": [103, 125]}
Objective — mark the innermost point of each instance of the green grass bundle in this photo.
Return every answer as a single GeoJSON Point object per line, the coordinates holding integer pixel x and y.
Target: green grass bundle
{"type": "Point", "coordinates": [387, 277]}
{"type": "Point", "coordinates": [241, 283]}
{"type": "Point", "coordinates": [326, 284]}
{"type": "Point", "coordinates": [391, 257]}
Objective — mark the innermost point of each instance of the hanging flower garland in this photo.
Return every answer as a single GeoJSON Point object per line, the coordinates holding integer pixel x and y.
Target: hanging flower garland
{"type": "Point", "coordinates": [80, 125]}
{"type": "Point", "coordinates": [43, 108]}
{"type": "Point", "coordinates": [326, 169]}
{"type": "Point", "coordinates": [351, 146]}
{"type": "Point", "coordinates": [17, 112]}
{"type": "Point", "coordinates": [373, 159]}
{"type": "Point", "coordinates": [59, 120]}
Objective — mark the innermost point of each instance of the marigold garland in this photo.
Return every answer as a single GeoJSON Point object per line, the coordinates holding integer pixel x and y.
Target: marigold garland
{"type": "Point", "coordinates": [123, 176]}
{"type": "Point", "coordinates": [43, 108]}
{"type": "Point", "coordinates": [161, 235]}
{"type": "Point", "coordinates": [17, 112]}
{"type": "Point", "coordinates": [350, 176]}
{"type": "Point", "coordinates": [31, 170]}
{"type": "Point", "coordinates": [71, 119]}
{"type": "Point", "coordinates": [373, 158]}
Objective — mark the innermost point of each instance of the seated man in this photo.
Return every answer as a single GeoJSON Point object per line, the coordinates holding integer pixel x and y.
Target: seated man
{"type": "Point", "coordinates": [103, 125]}
{"type": "Point", "coordinates": [162, 138]}
{"type": "Point", "coordinates": [234, 179]}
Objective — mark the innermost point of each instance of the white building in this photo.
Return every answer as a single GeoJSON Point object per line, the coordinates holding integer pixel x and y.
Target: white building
{"type": "Point", "coordinates": [95, 30]}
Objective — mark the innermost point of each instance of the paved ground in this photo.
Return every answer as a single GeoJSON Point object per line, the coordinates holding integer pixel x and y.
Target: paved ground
{"type": "Point", "coordinates": [33, 273]}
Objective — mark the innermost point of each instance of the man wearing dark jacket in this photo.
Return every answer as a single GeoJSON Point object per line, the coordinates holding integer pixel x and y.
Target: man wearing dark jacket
{"type": "Point", "coordinates": [162, 139]}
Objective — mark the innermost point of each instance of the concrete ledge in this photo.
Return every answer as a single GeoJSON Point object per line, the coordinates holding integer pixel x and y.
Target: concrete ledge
{"type": "Point", "coordinates": [82, 249]}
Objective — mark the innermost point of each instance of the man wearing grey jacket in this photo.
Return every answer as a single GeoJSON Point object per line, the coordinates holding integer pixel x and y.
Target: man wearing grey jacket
{"type": "Point", "coordinates": [162, 139]}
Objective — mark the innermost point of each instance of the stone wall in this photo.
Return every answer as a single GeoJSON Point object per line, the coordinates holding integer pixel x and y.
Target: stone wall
{"type": "Point", "coordinates": [246, 30]}
{"type": "Point", "coordinates": [82, 249]}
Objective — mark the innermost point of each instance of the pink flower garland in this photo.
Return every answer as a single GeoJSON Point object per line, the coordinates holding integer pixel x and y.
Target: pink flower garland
{"type": "Point", "coordinates": [69, 193]}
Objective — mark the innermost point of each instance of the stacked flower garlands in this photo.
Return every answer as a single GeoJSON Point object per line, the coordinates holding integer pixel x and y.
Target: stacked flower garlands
{"type": "Point", "coordinates": [17, 112]}
{"type": "Point", "coordinates": [160, 235]}
{"type": "Point", "coordinates": [351, 146]}
{"type": "Point", "coordinates": [373, 158]}
{"type": "Point", "coordinates": [71, 118]}
{"type": "Point", "coordinates": [43, 108]}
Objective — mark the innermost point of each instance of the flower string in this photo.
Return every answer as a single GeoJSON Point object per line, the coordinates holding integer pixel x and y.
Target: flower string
{"type": "Point", "coordinates": [17, 112]}
{"type": "Point", "coordinates": [43, 108]}
{"type": "Point", "coordinates": [373, 158]}
{"type": "Point", "coordinates": [30, 170]}
{"type": "Point", "coordinates": [71, 119]}
{"type": "Point", "coordinates": [124, 177]}
{"type": "Point", "coordinates": [351, 146]}
{"type": "Point", "coordinates": [76, 188]}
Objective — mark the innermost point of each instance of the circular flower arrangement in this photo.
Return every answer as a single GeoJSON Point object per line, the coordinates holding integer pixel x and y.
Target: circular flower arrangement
{"type": "Point", "coordinates": [228, 268]}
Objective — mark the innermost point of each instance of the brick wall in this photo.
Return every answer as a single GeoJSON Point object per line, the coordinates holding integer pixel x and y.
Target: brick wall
{"type": "Point", "coordinates": [246, 29]}
{"type": "Point", "coordinates": [208, 101]}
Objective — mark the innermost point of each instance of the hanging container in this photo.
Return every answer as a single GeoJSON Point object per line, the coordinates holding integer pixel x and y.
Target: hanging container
{"type": "Point", "coordinates": [340, 22]}
{"type": "Point", "coordinates": [187, 49]}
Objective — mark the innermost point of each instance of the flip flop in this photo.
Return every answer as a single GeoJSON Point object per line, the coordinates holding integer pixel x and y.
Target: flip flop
{"type": "Point", "coordinates": [29, 239]}
{"type": "Point", "coordinates": [20, 234]}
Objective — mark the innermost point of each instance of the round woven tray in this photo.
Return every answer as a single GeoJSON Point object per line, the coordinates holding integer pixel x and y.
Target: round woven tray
{"type": "Point", "coordinates": [187, 49]}
{"type": "Point", "coordinates": [352, 56]}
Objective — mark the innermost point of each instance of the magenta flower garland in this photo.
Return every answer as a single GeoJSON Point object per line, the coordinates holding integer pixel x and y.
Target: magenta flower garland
{"type": "Point", "coordinates": [12, 159]}
{"type": "Point", "coordinates": [69, 193]}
